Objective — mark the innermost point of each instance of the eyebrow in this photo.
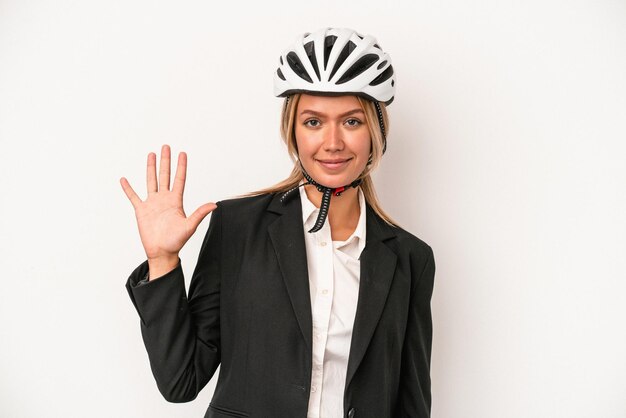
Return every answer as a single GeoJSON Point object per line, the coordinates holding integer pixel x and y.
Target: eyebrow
{"type": "Point", "coordinates": [350, 112]}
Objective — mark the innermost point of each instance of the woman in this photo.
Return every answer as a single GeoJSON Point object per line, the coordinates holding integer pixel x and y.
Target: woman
{"type": "Point", "coordinates": [315, 305]}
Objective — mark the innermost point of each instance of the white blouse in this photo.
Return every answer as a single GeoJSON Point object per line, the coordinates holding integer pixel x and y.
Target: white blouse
{"type": "Point", "coordinates": [334, 274]}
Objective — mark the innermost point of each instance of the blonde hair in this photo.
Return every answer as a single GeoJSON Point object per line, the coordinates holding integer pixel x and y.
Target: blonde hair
{"type": "Point", "coordinates": [287, 132]}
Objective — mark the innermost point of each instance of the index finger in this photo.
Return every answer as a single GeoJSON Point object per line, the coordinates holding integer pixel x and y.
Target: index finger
{"type": "Point", "coordinates": [181, 174]}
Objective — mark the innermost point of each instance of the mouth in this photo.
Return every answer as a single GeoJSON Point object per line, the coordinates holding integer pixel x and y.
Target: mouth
{"type": "Point", "coordinates": [335, 163]}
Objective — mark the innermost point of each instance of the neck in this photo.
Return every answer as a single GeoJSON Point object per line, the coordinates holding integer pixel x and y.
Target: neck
{"type": "Point", "coordinates": [343, 212]}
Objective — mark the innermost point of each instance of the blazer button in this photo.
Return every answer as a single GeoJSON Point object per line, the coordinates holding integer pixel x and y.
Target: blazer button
{"type": "Point", "coordinates": [351, 413]}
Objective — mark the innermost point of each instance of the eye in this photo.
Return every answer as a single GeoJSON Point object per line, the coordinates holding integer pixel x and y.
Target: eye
{"type": "Point", "coordinates": [353, 122]}
{"type": "Point", "coordinates": [313, 123]}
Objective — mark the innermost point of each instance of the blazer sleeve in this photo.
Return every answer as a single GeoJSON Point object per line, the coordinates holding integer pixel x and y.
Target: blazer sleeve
{"type": "Point", "coordinates": [415, 393]}
{"type": "Point", "coordinates": [181, 334]}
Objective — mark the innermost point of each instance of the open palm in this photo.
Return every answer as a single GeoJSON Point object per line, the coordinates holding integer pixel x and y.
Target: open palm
{"type": "Point", "coordinates": [163, 226]}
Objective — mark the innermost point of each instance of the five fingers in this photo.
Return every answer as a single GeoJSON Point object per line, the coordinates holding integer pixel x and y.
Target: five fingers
{"type": "Point", "coordinates": [164, 183]}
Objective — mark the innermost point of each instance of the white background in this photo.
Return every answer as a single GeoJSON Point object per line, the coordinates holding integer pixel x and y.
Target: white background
{"type": "Point", "coordinates": [506, 154]}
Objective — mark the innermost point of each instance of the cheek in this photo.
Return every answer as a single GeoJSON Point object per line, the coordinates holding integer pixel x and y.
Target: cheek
{"type": "Point", "coordinates": [300, 146]}
{"type": "Point", "coordinates": [306, 141]}
{"type": "Point", "coordinates": [363, 145]}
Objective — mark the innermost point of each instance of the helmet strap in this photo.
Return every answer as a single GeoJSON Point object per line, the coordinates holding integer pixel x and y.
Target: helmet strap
{"type": "Point", "coordinates": [381, 123]}
{"type": "Point", "coordinates": [327, 193]}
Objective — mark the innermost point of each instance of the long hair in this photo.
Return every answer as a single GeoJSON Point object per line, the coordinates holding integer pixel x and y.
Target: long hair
{"type": "Point", "coordinates": [287, 132]}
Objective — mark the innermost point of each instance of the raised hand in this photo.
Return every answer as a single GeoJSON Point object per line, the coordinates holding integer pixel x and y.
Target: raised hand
{"type": "Point", "coordinates": [163, 226]}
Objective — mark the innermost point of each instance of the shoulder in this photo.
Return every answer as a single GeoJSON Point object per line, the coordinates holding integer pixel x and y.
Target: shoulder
{"type": "Point", "coordinates": [401, 241]}
{"type": "Point", "coordinates": [413, 253]}
{"type": "Point", "coordinates": [416, 254]}
{"type": "Point", "coordinates": [412, 242]}
{"type": "Point", "coordinates": [242, 213]}
{"type": "Point", "coordinates": [246, 204]}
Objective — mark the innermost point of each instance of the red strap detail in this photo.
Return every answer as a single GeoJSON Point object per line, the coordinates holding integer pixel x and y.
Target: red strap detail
{"type": "Point", "coordinates": [338, 190]}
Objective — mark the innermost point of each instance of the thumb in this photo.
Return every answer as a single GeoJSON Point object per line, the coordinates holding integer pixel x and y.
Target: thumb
{"type": "Point", "coordinates": [199, 214]}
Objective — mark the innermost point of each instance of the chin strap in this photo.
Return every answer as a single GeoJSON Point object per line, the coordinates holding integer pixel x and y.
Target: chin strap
{"type": "Point", "coordinates": [382, 125]}
{"type": "Point", "coordinates": [327, 193]}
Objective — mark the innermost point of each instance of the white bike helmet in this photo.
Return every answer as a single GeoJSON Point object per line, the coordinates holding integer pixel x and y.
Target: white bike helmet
{"type": "Point", "coordinates": [336, 62]}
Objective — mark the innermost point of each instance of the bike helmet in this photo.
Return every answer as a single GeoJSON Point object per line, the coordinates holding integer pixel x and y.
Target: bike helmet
{"type": "Point", "coordinates": [336, 62]}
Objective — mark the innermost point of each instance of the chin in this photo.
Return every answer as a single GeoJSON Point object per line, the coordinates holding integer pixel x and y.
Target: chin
{"type": "Point", "coordinates": [333, 180]}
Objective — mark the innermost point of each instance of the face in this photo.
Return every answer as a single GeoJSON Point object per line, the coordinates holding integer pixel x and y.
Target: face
{"type": "Point", "coordinates": [333, 138]}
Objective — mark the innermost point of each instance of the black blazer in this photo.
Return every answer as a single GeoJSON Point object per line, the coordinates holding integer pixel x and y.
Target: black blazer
{"type": "Point", "coordinates": [249, 309]}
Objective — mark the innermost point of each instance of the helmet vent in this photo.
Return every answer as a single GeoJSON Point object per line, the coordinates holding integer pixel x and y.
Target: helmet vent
{"type": "Point", "coordinates": [328, 46]}
{"type": "Point", "coordinates": [280, 75]}
{"type": "Point", "coordinates": [309, 47]}
{"type": "Point", "coordinates": [381, 65]}
{"type": "Point", "coordinates": [297, 67]}
{"type": "Point", "coordinates": [384, 76]}
{"type": "Point", "coordinates": [350, 46]}
{"type": "Point", "coordinates": [358, 67]}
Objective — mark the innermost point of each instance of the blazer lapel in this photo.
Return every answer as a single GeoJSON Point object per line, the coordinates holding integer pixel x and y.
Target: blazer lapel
{"type": "Point", "coordinates": [378, 264]}
{"type": "Point", "coordinates": [287, 236]}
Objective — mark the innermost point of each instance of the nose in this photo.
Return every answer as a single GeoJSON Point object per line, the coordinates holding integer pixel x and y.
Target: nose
{"type": "Point", "coordinates": [333, 138]}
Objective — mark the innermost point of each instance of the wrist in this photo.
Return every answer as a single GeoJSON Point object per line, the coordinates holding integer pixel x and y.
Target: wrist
{"type": "Point", "coordinates": [163, 259]}
{"type": "Point", "coordinates": [159, 266]}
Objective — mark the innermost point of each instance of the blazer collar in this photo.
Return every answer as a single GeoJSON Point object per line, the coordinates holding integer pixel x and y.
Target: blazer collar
{"type": "Point", "coordinates": [378, 263]}
{"type": "Point", "coordinates": [378, 266]}
{"type": "Point", "coordinates": [287, 236]}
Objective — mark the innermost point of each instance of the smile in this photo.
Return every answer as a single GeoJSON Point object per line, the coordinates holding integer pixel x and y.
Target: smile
{"type": "Point", "coordinates": [334, 164]}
